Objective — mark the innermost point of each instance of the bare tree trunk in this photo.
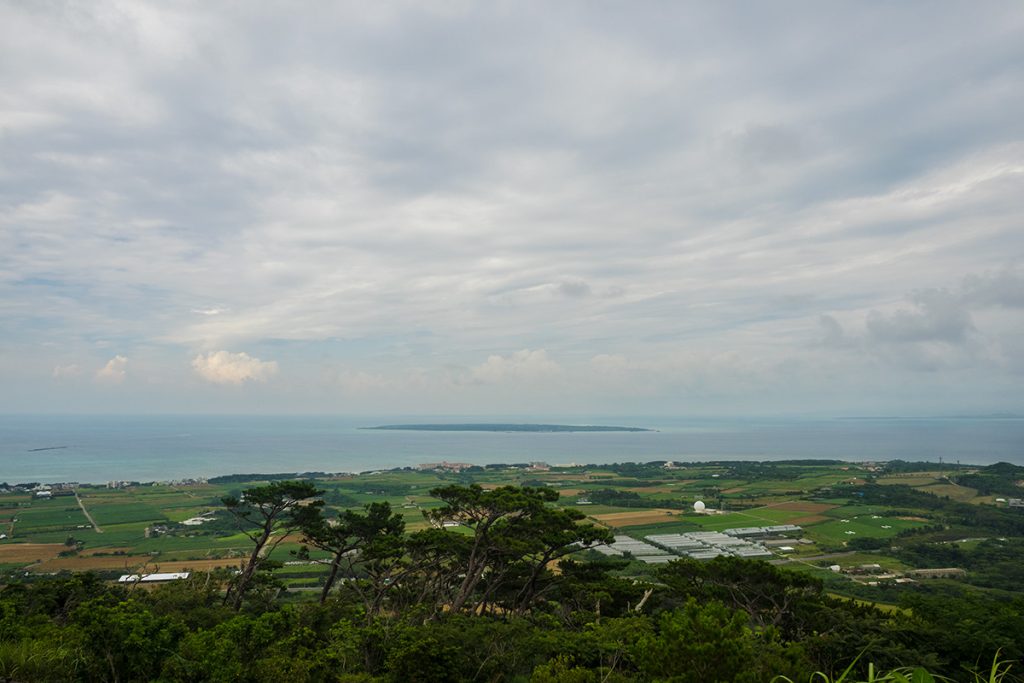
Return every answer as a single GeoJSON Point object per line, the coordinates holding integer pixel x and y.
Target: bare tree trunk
{"type": "Point", "coordinates": [236, 592]}
{"type": "Point", "coordinates": [329, 583]}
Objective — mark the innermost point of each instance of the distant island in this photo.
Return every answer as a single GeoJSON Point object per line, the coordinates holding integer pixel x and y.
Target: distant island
{"type": "Point", "coordinates": [489, 427]}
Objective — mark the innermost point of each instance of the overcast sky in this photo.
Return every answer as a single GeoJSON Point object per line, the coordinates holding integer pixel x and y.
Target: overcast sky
{"type": "Point", "coordinates": [512, 208]}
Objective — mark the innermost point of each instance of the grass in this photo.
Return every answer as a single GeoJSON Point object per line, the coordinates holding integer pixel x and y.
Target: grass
{"type": "Point", "coordinates": [862, 526]}
{"type": "Point", "coordinates": [59, 513]}
{"type": "Point", "coordinates": [753, 517]}
{"type": "Point", "coordinates": [54, 536]}
{"type": "Point", "coordinates": [121, 513]}
{"type": "Point", "coordinates": [881, 606]}
{"type": "Point", "coordinates": [999, 672]}
{"type": "Point", "coordinates": [915, 479]}
{"type": "Point", "coordinates": [963, 494]}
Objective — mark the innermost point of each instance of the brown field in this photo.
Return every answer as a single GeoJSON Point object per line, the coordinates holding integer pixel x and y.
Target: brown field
{"type": "Point", "coordinates": [807, 521]}
{"type": "Point", "coordinates": [570, 492]}
{"type": "Point", "coordinates": [651, 489]}
{"type": "Point", "coordinates": [130, 563]}
{"type": "Point", "coordinates": [735, 489]}
{"type": "Point", "coordinates": [560, 476]}
{"type": "Point", "coordinates": [803, 506]}
{"type": "Point", "coordinates": [639, 518]}
{"type": "Point", "coordinates": [12, 553]}
{"type": "Point", "coordinates": [908, 480]}
{"type": "Point", "coordinates": [963, 494]}
{"type": "Point", "coordinates": [911, 478]}
{"type": "Point", "coordinates": [913, 519]}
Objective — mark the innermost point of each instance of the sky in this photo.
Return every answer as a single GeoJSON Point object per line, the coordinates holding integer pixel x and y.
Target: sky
{"type": "Point", "coordinates": [573, 208]}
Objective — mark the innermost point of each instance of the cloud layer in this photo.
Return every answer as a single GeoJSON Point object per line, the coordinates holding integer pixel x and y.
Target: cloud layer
{"type": "Point", "coordinates": [451, 207]}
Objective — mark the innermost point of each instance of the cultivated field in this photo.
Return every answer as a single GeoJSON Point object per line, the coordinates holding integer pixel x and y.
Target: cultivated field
{"type": "Point", "coordinates": [142, 525]}
{"type": "Point", "coordinates": [638, 518]}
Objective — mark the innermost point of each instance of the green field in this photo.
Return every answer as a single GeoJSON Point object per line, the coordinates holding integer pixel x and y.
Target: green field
{"type": "Point", "coordinates": [839, 531]}
{"type": "Point", "coordinates": [121, 513]}
{"type": "Point", "coordinates": [127, 516]}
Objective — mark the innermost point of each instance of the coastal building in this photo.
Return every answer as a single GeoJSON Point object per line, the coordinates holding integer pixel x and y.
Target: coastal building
{"type": "Point", "coordinates": [445, 466]}
{"type": "Point", "coordinates": [153, 578]}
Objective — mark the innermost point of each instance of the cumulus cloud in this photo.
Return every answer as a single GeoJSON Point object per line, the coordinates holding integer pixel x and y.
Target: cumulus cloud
{"type": "Point", "coordinates": [225, 367]}
{"type": "Point", "coordinates": [524, 365]}
{"type": "Point", "coordinates": [114, 371]}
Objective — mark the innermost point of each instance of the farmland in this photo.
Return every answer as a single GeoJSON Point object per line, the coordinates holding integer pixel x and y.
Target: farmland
{"type": "Point", "coordinates": [174, 527]}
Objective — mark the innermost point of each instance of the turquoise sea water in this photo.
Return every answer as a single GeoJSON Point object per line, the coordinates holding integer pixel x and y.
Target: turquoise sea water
{"type": "Point", "coordinates": [147, 448]}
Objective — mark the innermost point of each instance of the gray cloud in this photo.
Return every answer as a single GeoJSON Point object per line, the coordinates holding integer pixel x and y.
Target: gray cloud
{"type": "Point", "coordinates": [404, 189]}
{"type": "Point", "coordinates": [1002, 288]}
{"type": "Point", "coordinates": [938, 315]}
{"type": "Point", "coordinates": [770, 144]}
{"type": "Point", "coordinates": [833, 334]}
{"type": "Point", "coordinates": [574, 288]}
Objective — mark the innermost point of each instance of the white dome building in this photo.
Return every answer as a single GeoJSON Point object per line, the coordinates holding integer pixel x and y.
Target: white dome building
{"type": "Point", "coordinates": [699, 506]}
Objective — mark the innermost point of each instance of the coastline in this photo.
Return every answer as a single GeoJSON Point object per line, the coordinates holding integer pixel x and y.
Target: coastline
{"type": "Point", "coordinates": [137, 448]}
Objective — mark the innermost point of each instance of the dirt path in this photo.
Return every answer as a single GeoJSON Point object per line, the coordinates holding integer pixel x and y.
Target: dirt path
{"type": "Point", "coordinates": [87, 515]}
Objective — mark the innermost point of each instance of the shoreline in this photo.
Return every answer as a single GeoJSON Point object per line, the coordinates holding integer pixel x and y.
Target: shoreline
{"type": "Point", "coordinates": [676, 464]}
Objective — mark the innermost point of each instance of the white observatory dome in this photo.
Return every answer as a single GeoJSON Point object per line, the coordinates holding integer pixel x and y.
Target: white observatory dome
{"type": "Point", "coordinates": [699, 506]}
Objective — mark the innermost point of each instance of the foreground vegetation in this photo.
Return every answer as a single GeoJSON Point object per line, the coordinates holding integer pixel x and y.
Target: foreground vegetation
{"type": "Point", "coordinates": [486, 575]}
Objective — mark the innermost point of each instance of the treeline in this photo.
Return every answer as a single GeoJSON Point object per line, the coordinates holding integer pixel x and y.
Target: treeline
{"type": "Point", "coordinates": [997, 520]}
{"type": "Point", "coordinates": [992, 563]}
{"type": "Point", "coordinates": [1000, 478]}
{"type": "Point", "coordinates": [631, 499]}
{"type": "Point", "coordinates": [728, 620]}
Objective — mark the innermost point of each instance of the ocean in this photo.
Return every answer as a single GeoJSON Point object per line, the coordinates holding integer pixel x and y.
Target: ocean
{"type": "Point", "coordinates": [94, 449]}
